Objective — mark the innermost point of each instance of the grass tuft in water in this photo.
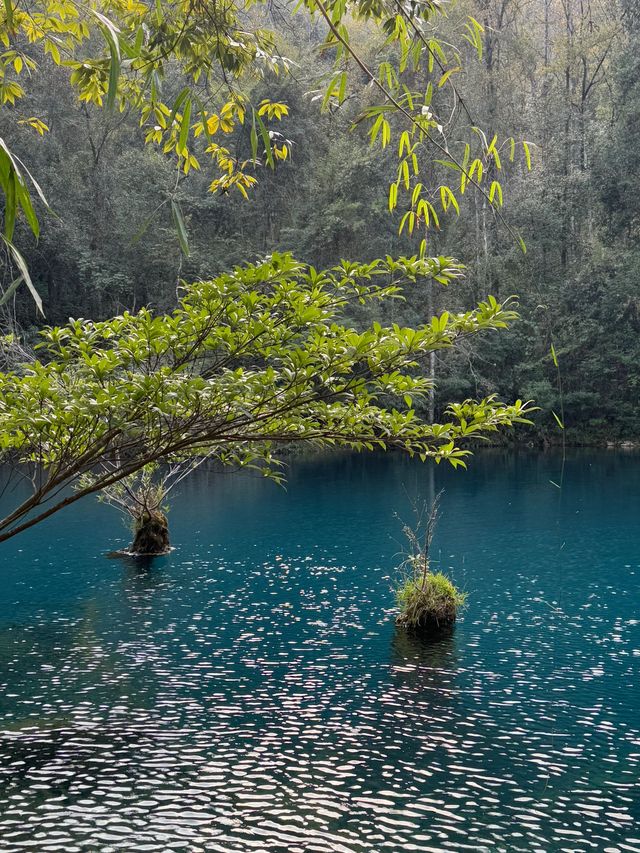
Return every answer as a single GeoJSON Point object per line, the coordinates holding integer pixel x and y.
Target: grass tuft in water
{"type": "Point", "coordinates": [428, 601]}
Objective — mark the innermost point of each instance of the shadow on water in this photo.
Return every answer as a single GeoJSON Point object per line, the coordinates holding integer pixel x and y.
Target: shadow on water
{"type": "Point", "coordinates": [142, 574]}
{"type": "Point", "coordinates": [142, 580]}
{"type": "Point", "coordinates": [424, 663]}
{"type": "Point", "coordinates": [433, 651]}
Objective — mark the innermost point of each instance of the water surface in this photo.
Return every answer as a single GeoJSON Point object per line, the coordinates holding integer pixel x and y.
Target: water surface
{"type": "Point", "coordinates": [249, 692]}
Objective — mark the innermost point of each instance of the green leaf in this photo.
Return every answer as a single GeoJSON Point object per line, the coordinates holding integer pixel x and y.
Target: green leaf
{"type": "Point", "coordinates": [10, 205]}
{"type": "Point", "coordinates": [156, 86]}
{"type": "Point", "coordinates": [181, 230]}
{"type": "Point", "coordinates": [24, 200]}
{"type": "Point", "coordinates": [22, 266]}
{"type": "Point", "coordinates": [36, 185]}
{"type": "Point", "coordinates": [446, 76]}
{"type": "Point", "coordinates": [254, 138]}
{"type": "Point", "coordinates": [137, 47]}
{"type": "Point", "coordinates": [342, 89]}
{"type": "Point", "coordinates": [496, 190]}
{"type": "Point", "coordinates": [112, 36]}
{"type": "Point", "coordinates": [184, 127]}
{"type": "Point", "coordinates": [179, 101]}
{"type": "Point", "coordinates": [393, 196]}
{"type": "Point", "coordinates": [147, 222]}
{"type": "Point", "coordinates": [8, 7]}
{"type": "Point", "coordinates": [266, 141]}
{"type": "Point", "coordinates": [375, 128]}
{"type": "Point", "coordinates": [15, 284]}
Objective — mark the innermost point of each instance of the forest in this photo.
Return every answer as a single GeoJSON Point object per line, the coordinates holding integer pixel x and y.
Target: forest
{"type": "Point", "coordinates": [561, 74]}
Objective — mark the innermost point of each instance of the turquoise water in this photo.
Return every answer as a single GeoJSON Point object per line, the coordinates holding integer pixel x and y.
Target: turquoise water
{"type": "Point", "coordinates": [249, 692]}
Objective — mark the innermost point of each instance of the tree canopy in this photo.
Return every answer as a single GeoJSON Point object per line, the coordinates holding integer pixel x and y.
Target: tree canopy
{"type": "Point", "coordinates": [248, 360]}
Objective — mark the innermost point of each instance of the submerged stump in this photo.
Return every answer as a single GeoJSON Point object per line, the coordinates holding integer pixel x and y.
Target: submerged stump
{"type": "Point", "coordinates": [151, 535]}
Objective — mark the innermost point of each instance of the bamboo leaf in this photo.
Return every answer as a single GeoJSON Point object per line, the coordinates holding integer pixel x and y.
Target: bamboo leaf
{"type": "Point", "coordinates": [15, 284]}
{"type": "Point", "coordinates": [112, 36]}
{"type": "Point", "coordinates": [446, 76]}
{"type": "Point", "coordinates": [114, 75]}
{"type": "Point", "coordinates": [24, 200]}
{"type": "Point", "coordinates": [393, 196]}
{"type": "Point", "coordinates": [181, 230]}
{"type": "Point", "coordinates": [10, 206]}
{"type": "Point", "coordinates": [266, 141]}
{"type": "Point", "coordinates": [145, 225]}
{"type": "Point", "coordinates": [179, 101]}
{"type": "Point", "coordinates": [342, 89]}
{"type": "Point", "coordinates": [184, 128]}
{"type": "Point", "coordinates": [36, 185]}
{"type": "Point", "coordinates": [22, 266]}
{"type": "Point", "coordinates": [254, 139]}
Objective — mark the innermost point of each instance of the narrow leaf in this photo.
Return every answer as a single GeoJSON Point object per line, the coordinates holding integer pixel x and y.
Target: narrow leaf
{"type": "Point", "coordinates": [181, 230]}
{"type": "Point", "coordinates": [10, 206]}
{"type": "Point", "coordinates": [266, 140]}
{"type": "Point", "coordinates": [111, 35]}
{"type": "Point", "coordinates": [254, 139]}
{"type": "Point", "coordinates": [177, 104]}
{"type": "Point", "coordinates": [22, 266]}
{"type": "Point", "coordinates": [184, 127]}
{"type": "Point", "coordinates": [15, 284]}
{"type": "Point", "coordinates": [8, 7]}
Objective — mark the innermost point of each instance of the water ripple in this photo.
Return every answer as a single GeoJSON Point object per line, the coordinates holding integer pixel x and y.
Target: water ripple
{"type": "Point", "coordinates": [214, 703]}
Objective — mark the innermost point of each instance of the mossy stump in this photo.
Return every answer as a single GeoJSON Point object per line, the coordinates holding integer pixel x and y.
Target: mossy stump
{"type": "Point", "coordinates": [151, 535]}
{"type": "Point", "coordinates": [428, 604]}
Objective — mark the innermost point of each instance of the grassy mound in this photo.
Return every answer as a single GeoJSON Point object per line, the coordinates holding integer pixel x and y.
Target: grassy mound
{"type": "Point", "coordinates": [428, 602]}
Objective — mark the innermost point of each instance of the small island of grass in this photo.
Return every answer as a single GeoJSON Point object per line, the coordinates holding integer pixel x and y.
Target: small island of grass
{"type": "Point", "coordinates": [428, 602]}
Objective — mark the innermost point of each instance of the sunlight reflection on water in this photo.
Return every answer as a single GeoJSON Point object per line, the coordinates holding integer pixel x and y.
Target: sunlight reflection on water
{"type": "Point", "coordinates": [249, 691]}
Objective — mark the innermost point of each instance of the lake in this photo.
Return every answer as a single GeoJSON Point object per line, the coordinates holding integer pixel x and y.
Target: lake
{"type": "Point", "coordinates": [249, 692]}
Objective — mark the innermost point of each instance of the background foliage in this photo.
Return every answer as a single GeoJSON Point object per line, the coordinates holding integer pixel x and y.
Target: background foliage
{"type": "Point", "coordinates": [561, 73]}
